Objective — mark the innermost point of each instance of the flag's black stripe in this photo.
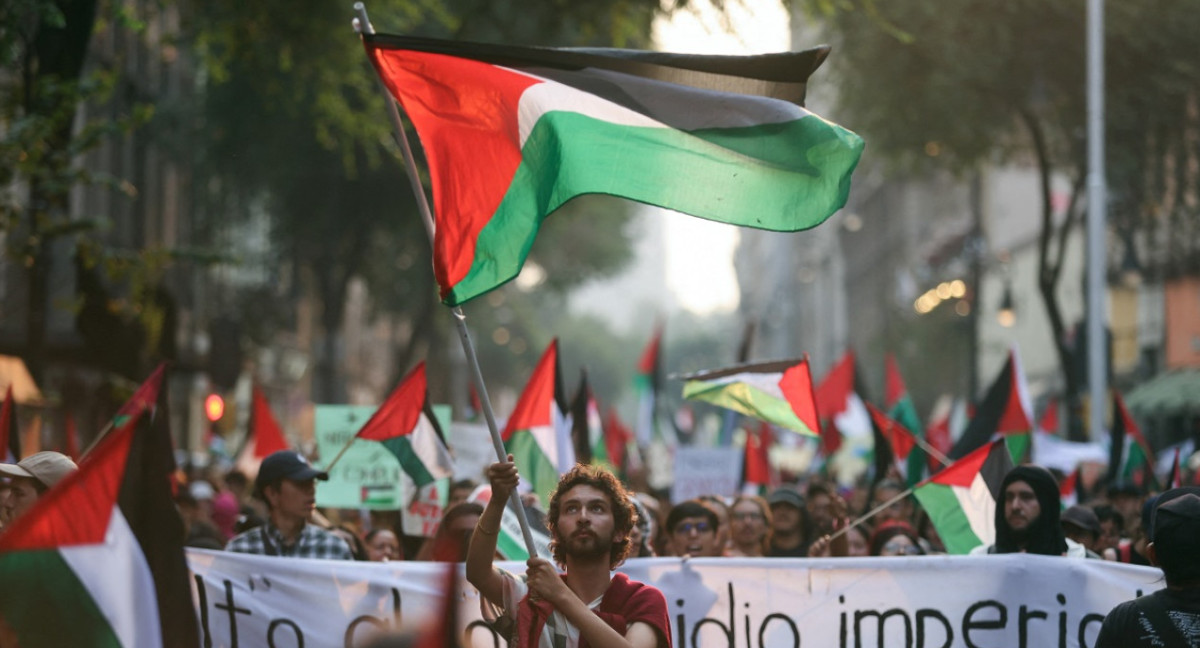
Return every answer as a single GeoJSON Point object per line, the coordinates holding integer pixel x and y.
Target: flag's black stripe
{"type": "Point", "coordinates": [781, 75]}
{"type": "Point", "coordinates": [995, 467]}
{"type": "Point", "coordinates": [987, 418]}
{"type": "Point", "coordinates": [777, 366]}
{"type": "Point", "coordinates": [580, 434]}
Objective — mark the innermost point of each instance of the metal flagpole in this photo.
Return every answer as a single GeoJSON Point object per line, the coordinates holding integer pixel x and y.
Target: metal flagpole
{"type": "Point", "coordinates": [1096, 217]}
{"type": "Point", "coordinates": [362, 25]}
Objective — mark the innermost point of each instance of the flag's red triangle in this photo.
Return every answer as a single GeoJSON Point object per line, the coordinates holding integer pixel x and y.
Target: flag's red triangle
{"type": "Point", "coordinates": [268, 436]}
{"type": "Point", "coordinates": [1067, 486]}
{"type": "Point", "coordinates": [797, 387]}
{"type": "Point", "coordinates": [1014, 419]}
{"type": "Point", "coordinates": [963, 471]}
{"type": "Point", "coordinates": [898, 437]}
{"type": "Point", "coordinates": [534, 406]}
{"type": "Point", "coordinates": [616, 436]}
{"type": "Point", "coordinates": [833, 395]}
{"type": "Point", "coordinates": [399, 414]}
{"type": "Point", "coordinates": [649, 359]}
{"type": "Point", "coordinates": [146, 395]}
{"type": "Point", "coordinates": [757, 459]}
{"type": "Point", "coordinates": [76, 511]}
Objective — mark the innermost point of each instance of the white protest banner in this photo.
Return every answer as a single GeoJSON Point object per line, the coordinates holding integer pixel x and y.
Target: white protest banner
{"type": "Point", "coordinates": [1015, 601]}
{"type": "Point", "coordinates": [703, 471]}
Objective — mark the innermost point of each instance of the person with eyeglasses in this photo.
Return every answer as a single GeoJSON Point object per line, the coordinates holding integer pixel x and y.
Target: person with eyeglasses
{"type": "Point", "coordinates": [749, 527]}
{"type": "Point", "coordinates": [692, 530]}
{"type": "Point", "coordinates": [895, 538]}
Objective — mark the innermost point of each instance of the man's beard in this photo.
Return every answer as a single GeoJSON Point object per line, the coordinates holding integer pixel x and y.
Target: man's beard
{"type": "Point", "coordinates": [587, 548]}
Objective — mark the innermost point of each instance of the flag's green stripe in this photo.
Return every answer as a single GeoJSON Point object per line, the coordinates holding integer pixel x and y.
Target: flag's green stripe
{"type": "Point", "coordinates": [410, 463]}
{"type": "Point", "coordinates": [748, 400]}
{"type": "Point", "coordinates": [785, 177]}
{"type": "Point", "coordinates": [533, 464]}
{"type": "Point", "coordinates": [905, 412]}
{"type": "Point", "coordinates": [948, 518]}
{"type": "Point", "coordinates": [49, 589]}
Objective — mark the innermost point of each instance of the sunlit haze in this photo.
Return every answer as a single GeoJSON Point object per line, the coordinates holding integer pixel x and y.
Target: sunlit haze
{"type": "Point", "coordinates": [699, 253]}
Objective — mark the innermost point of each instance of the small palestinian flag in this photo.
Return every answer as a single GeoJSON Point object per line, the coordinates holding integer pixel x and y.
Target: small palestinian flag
{"type": "Point", "coordinates": [512, 133]}
{"type": "Point", "coordinates": [780, 393]}
{"type": "Point", "coordinates": [1132, 460]}
{"type": "Point", "coordinates": [142, 399]}
{"type": "Point", "coordinates": [98, 560]}
{"type": "Point", "coordinates": [1005, 410]}
{"type": "Point", "coordinates": [961, 500]}
{"type": "Point", "coordinates": [647, 382]}
{"type": "Point", "coordinates": [264, 437]}
{"type": "Point", "coordinates": [900, 408]}
{"type": "Point", "coordinates": [532, 433]}
{"type": "Point", "coordinates": [894, 445]}
{"type": "Point", "coordinates": [587, 433]}
{"type": "Point", "coordinates": [406, 426]}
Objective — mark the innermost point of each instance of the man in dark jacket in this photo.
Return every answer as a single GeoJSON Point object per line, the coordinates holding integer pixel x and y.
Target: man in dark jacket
{"type": "Point", "coordinates": [1171, 616]}
{"type": "Point", "coordinates": [1027, 516]}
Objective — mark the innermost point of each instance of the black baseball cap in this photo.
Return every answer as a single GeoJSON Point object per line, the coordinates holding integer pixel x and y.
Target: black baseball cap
{"type": "Point", "coordinates": [286, 464]}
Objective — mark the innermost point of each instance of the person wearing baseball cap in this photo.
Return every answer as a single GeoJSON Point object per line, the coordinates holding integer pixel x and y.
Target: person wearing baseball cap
{"type": "Point", "coordinates": [287, 483]}
{"type": "Point", "coordinates": [1170, 616]}
{"type": "Point", "coordinates": [28, 479]}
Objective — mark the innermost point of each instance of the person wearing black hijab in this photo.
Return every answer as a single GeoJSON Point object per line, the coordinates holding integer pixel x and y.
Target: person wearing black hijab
{"type": "Point", "coordinates": [1027, 516]}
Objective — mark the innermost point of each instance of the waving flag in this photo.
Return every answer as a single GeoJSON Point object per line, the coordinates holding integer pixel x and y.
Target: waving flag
{"type": "Point", "coordinates": [894, 446]}
{"type": "Point", "coordinates": [1005, 410]}
{"type": "Point", "coordinates": [532, 433]}
{"type": "Point", "coordinates": [617, 440]}
{"type": "Point", "coordinates": [406, 426]}
{"type": "Point", "coordinates": [98, 560]}
{"type": "Point", "coordinates": [961, 500]}
{"type": "Point", "coordinates": [263, 435]}
{"type": "Point", "coordinates": [780, 393]}
{"type": "Point", "coordinates": [647, 382]}
{"type": "Point", "coordinates": [842, 410]}
{"type": "Point", "coordinates": [901, 408]}
{"type": "Point", "coordinates": [757, 476]}
{"type": "Point", "coordinates": [587, 429]}
{"type": "Point", "coordinates": [1132, 459]}
{"type": "Point", "coordinates": [512, 133]}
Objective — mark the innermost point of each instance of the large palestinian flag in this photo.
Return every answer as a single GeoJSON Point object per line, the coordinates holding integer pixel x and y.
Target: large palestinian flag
{"type": "Point", "coordinates": [777, 392]}
{"type": "Point", "coordinates": [961, 500]}
{"type": "Point", "coordinates": [512, 133]}
{"type": "Point", "coordinates": [533, 431]}
{"type": "Point", "coordinates": [99, 559]}
{"type": "Point", "coordinates": [406, 426]}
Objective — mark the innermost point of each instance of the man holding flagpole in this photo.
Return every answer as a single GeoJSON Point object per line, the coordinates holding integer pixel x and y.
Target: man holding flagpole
{"type": "Point", "coordinates": [590, 520]}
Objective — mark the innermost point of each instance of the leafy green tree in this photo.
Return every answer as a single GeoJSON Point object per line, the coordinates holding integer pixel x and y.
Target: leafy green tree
{"type": "Point", "coordinates": [955, 85]}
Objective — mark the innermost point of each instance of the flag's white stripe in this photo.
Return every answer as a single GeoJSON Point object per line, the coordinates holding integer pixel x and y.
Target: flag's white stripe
{"type": "Point", "coordinates": [430, 450]}
{"type": "Point", "coordinates": [563, 423]}
{"type": "Point", "coordinates": [118, 579]}
{"type": "Point", "coordinates": [697, 108]}
{"type": "Point", "coordinates": [768, 383]}
{"type": "Point", "coordinates": [855, 420]}
{"type": "Point", "coordinates": [979, 507]}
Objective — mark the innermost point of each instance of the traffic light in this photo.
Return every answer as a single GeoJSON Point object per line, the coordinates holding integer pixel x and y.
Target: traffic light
{"type": "Point", "coordinates": [214, 407]}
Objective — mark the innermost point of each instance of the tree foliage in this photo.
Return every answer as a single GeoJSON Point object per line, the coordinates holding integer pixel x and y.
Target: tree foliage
{"type": "Point", "coordinates": [956, 85]}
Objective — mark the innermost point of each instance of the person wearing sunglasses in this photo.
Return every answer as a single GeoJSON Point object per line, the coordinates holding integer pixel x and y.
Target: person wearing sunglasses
{"type": "Point", "coordinates": [692, 530]}
{"type": "Point", "coordinates": [895, 538]}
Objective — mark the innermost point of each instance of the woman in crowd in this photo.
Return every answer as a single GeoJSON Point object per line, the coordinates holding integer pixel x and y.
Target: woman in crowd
{"type": "Point", "coordinates": [383, 546]}
{"type": "Point", "coordinates": [895, 538]}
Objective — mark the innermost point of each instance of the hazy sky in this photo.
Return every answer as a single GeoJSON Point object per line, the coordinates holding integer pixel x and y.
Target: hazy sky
{"type": "Point", "coordinates": [699, 254]}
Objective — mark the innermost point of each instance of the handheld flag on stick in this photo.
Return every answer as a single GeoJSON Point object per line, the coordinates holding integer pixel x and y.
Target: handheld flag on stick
{"type": "Point", "coordinates": [143, 398]}
{"type": "Point", "coordinates": [105, 545]}
{"type": "Point", "coordinates": [780, 393]}
{"type": "Point", "coordinates": [839, 405]}
{"type": "Point", "coordinates": [961, 500]}
{"type": "Point", "coordinates": [757, 476]}
{"type": "Point", "coordinates": [719, 137]}
{"type": "Point", "coordinates": [587, 433]}
{"type": "Point", "coordinates": [406, 426]}
{"type": "Point", "coordinates": [901, 408]}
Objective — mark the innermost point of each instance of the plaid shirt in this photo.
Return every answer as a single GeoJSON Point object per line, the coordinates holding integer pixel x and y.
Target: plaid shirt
{"type": "Point", "coordinates": [314, 542]}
